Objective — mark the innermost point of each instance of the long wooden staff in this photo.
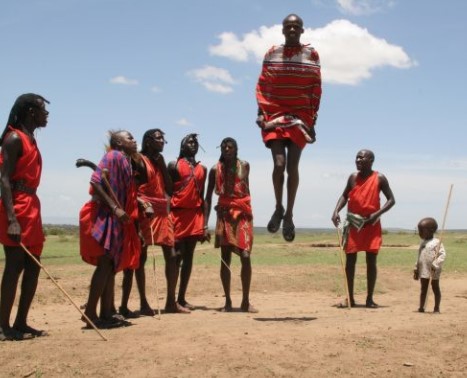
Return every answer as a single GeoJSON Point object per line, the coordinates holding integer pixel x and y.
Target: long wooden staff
{"type": "Point", "coordinates": [439, 244]}
{"type": "Point", "coordinates": [89, 321]}
{"type": "Point", "coordinates": [105, 177]}
{"type": "Point", "coordinates": [154, 273]}
{"type": "Point", "coordinates": [344, 273]}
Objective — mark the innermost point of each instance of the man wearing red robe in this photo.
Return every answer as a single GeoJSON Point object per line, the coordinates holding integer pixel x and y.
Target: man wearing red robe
{"type": "Point", "coordinates": [229, 178]}
{"type": "Point", "coordinates": [187, 209]}
{"type": "Point", "coordinates": [20, 213]}
{"type": "Point", "coordinates": [288, 94]}
{"type": "Point", "coordinates": [362, 227]}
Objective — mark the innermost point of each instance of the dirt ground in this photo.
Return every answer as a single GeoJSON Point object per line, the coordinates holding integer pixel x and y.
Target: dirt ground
{"type": "Point", "coordinates": [298, 332]}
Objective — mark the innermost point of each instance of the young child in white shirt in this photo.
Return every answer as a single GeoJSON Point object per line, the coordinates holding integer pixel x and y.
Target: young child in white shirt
{"type": "Point", "coordinates": [431, 256]}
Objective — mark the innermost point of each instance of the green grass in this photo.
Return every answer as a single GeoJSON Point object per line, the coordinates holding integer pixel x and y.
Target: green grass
{"type": "Point", "coordinates": [310, 248]}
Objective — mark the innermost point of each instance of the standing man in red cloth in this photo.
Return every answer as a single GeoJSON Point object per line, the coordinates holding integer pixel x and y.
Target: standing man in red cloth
{"type": "Point", "coordinates": [20, 213]}
{"type": "Point", "coordinates": [154, 191]}
{"type": "Point", "coordinates": [362, 227]}
{"type": "Point", "coordinates": [187, 209]}
{"type": "Point", "coordinates": [288, 95]}
{"type": "Point", "coordinates": [229, 179]}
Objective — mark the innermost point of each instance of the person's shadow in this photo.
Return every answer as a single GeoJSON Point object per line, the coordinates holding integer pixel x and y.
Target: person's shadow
{"type": "Point", "coordinates": [293, 319]}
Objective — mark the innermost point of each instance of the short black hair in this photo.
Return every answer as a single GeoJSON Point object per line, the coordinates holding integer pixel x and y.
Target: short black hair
{"type": "Point", "coordinates": [429, 223]}
{"type": "Point", "coordinates": [295, 16]}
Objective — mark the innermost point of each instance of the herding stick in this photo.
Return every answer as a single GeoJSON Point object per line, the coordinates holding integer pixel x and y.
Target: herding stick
{"type": "Point", "coordinates": [439, 244]}
{"type": "Point", "coordinates": [344, 273]}
{"type": "Point", "coordinates": [89, 321]}
{"type": "Point", "coordinates": [154, 273]}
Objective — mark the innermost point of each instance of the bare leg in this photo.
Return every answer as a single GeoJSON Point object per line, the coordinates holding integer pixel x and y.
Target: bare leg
{"type": "Point", "coordinates": [293, 178]}
{"type": "Point", "coordinates": [107, 297]}
{"type": "Point", "coordinates": [127, 284]}
{"type": "Point", "coordinates": [186, 249]}
{"type": "Point", "coordinates": [140, 275]}
{"type": "Point", "coordinates": [279, 159]}
{"type": "Point", "coordinates": [14, 265]}
{"type": "Point", "coordinates": [171, 275]}
{"type": "Point", "coordinates": [246, 282]}
{"type": "Point", "coordinates": [437, 293]}
{"type": "Point", "coordinates": [350, 261]}
{"type": "Point", "coordinates": [28, 290]}
{"type": "Point", "coordinates": [371, 274]}
{"type": "Point", "coordinates": [98, 284]}
{"type": "Point", "coordinates": [225, 276]}
{"type": "Point", "coordinates": [423, 292]}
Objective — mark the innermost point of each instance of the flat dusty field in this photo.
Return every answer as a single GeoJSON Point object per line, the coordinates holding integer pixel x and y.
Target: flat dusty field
{"type": "Point", "coordinates": [298, 331]}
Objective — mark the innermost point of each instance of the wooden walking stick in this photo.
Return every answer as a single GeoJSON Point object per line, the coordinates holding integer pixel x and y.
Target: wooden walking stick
{"type": "Point", "coordinates": [154, 273]}
{"type": "Point", "coordinates": [105, 177]}
{"type": "Point", "coordinates": [89, 321]}
{"type": "Point", "coordinates": [439, 244]}
{"type": "Point", "coordinates": [344, 273]}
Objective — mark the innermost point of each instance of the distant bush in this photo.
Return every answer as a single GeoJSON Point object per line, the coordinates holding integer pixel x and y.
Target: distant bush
{"type": "Point", "coordinates": [60, 230]}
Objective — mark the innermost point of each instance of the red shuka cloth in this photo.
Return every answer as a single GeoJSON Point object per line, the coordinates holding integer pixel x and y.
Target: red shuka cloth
{"type": "Point", "coordinates": [27, 207]}
{"type": "Point", "coordinates": [364, 200]}
{"type": "Point", "coordinates": [289, 84]}
{"type": "Point", "coordinates": [161, 224]}
{"type": "Point", "coordinates": [234, 213]}
{"type": "Point", "coordinates": [100, 230]}
{"type": "Point", "coordinates": [186, 205]}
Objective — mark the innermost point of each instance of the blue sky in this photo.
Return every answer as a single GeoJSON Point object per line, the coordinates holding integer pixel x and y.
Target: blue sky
{"type": "Point", "coordinates": [393, 81]}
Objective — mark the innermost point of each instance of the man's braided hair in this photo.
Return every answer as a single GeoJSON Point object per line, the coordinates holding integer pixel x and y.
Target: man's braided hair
{"type": "Point", "coordinates": [19, 111]}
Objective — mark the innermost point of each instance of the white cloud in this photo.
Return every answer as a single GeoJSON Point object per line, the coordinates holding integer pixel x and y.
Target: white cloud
{"type": "Point", "coordinates": [363, 7]}
{"type": "Point", "coordinates": [183, 122]}
{"type": "Point", "coordinates": [155, 89]}
{"type": "Point", "coordinates": [344, 65]}
{"type": "Point", "coordinates": [214, 79]}
{"type": "Point", "coordinates": [253, 44]}
{"type": "Point", "coordinates": [123, 80]}
{"type": "Point", "coordinates": [341, 64]}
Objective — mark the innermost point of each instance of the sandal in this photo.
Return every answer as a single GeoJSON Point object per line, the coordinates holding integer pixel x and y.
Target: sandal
{"type": "Point", "coordinates": [276, 219]}
{"type": "Point", "coordinates": [371, 304]}
{"type": "Point", "coordinates": [147, 311]}
{"type": "Point", "coordinates": [32, 331]}
{"type": "Point", "coordinates": [128, 314]}
{"type": "Point", "coordinates": [113, 322]}
{"type": "Point", "coordinates": [248, 308]}
{"type": "Point", "coordinates": [177, 309]}
{"type": "Point", "coordinates": [14, 335]}
{"type": "Point", "coordinates": [345, 304]}
{"type": "Point", "coordinates": [288, 230]}
{"type": "Point", "coordinates": [187, 305]}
